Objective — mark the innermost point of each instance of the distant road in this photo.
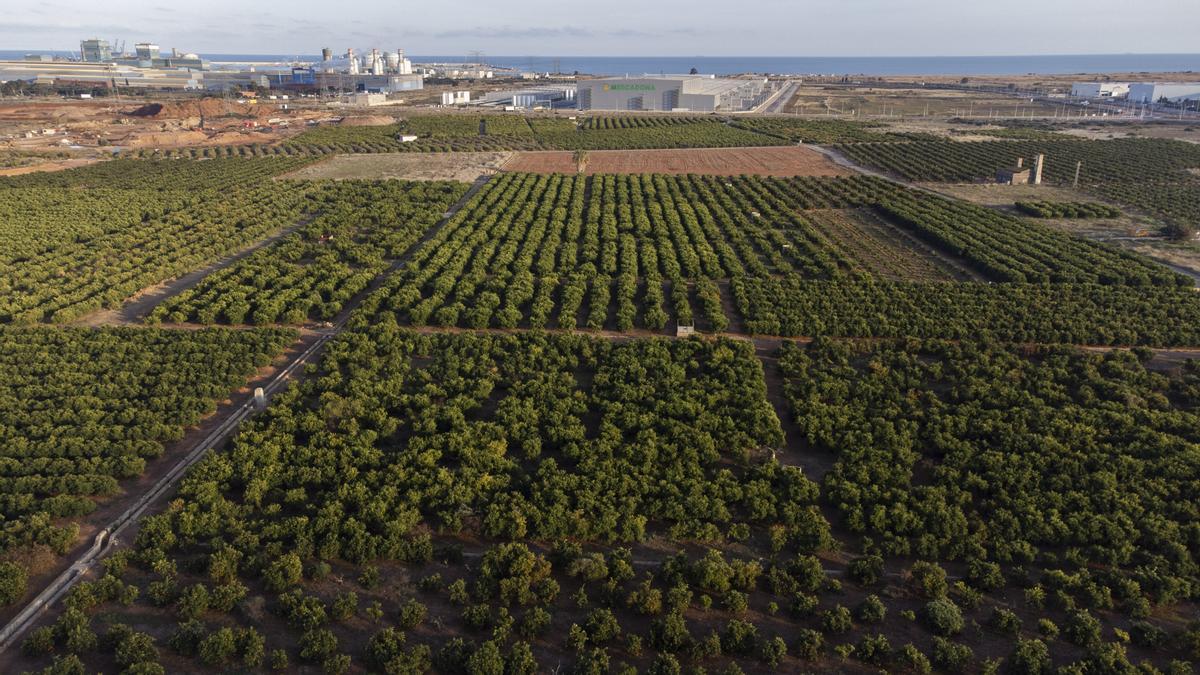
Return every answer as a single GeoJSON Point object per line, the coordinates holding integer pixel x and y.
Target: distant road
{"type": "Point", "coordinates": [776, 101]}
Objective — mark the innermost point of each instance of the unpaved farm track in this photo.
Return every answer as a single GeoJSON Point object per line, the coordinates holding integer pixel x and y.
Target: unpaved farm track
{"type": "Point", "coordinates": [109, 538]}
{"type": "Point", "coordinates": [136, 308]}
{"type": "Point", "coordinates": [213, 434]}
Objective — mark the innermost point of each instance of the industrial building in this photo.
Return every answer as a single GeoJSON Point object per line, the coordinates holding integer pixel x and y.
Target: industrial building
{"type": "Point", "coordinates": [95, 51]}
{"type": "Point", "coordinates": [696, 93]}
{"type": "Point", "coordinates": [234, 80]}
{"type": "Point", "coordinates": [148, 67]}
{"type": "Point", "coordinates": [371, 62]}
{"type": "Point", "coordinates": [146, 55]}
{"type": "Point", "coordinates": [1094, 90]}
{"type": "Point", "coordinates": [369, 83]}
{"type": "Point", "coordinates": [1138, 92]}
{"type": "Point", "coordinates": [456, 71]}
{"type": "Point", "coordinates": [1155, 92]}
{"type": "Point", "coordinates": [456, 97]}
{"type": "Point", "coordinates": [98, 75]}
{"type": "Point", "coordinates": [532, 97]}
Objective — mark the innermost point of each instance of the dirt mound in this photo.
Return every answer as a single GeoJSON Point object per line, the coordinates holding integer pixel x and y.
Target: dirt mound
{"type": "Point", "coordinates": [208, 107]}
{"type": "Point", "coordinates": [148, 110]}
{"type": "Point", "coordinates": [368, 121]}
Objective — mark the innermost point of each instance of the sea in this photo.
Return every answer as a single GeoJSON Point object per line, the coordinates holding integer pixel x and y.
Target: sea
{"type": "Point", "coordinates": [1060, 64]}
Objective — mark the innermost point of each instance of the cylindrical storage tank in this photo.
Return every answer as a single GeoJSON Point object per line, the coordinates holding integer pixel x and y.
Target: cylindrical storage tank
{"type": "Point", "coordinates": [393, 60]}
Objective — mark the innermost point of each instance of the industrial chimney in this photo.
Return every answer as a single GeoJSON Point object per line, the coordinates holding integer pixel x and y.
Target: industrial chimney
{"type": "Point", "coordinates": [326, 54]}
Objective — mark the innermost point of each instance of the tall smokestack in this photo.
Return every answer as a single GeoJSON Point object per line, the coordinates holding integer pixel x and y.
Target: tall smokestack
{"type": "Point", "coordinates": [326, 54]}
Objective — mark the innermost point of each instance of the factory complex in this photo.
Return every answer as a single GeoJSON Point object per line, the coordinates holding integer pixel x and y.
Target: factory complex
{"type": "Point", "coordinates": [374, 72]}
{"type": "Point", "coordinates": [98, 66]}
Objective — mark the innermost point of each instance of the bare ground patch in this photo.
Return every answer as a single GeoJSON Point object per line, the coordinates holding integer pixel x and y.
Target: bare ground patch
{"type": "Point", "coordinates": [59, 165]}
{"type": "Point", "coordinates": [766, 161]}
{"type": "Point", "coordinates": [990, 194]}
{"type": "Point", "coordinates": [1130, 231]}
{"type": "Point", "coordinates": [881, 248]}
{"type": "Point", "coordinates": [458, 166]}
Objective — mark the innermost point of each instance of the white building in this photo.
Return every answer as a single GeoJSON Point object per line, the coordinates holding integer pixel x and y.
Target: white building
{"type": "Point", "coordinates": [1093, 90]}
{"type": "Point", "coordinates": [456, 97]}
{"type": "Point", "coordinates": [1154, 92]}
{"type": "Point", "coordinates": [99, 75]}
{"type": "Point", "coordinates": [698, 93]}
{"type": "Point", "coordinates": [456, 71]}
{"type": "Point", "coordinates": [531, 97]}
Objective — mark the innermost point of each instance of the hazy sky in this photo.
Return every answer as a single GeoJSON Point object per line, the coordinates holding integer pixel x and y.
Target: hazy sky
{"type": "Point", "coordinates": [619, 27]}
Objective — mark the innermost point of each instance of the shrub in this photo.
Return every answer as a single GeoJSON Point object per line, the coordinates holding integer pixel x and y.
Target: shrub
{"type": "Point", "coordinates": [1005, 621]}
{"type": "Point", "coordinates": [866, 570]}
{"type": "Point", "coordinates": [836, 620]}
{"type": "Point", "coordinates": [1029, 657]}
{"type": "Point", "coordinates": [773, 651]}
{"type": "Point", "coordinates": [809, 644]}
{"type": "Point", "coordinates": [13, 578]}
{"type": "Point", "coordinates": [942, 616]}
{"type": "Point", "coordinates": [951, 657]}
{"type": "Point", "coordinates": [929, 579]}
{"type": "Point", "coordinates": [739, 637]}
{"type": "Point", "coordinates": [871, 610]}
{"type": "Point", "coordinates": [1081, 628]}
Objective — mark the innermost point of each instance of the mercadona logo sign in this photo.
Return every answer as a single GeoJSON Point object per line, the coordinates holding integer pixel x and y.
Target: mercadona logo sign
{"type": "Point", "coordinates": [630, 87]}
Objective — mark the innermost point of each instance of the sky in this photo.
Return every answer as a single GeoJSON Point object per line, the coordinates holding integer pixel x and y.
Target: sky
{"type": "Point", "coordinates": [619, 27]}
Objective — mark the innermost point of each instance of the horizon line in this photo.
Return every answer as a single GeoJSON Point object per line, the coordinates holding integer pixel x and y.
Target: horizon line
{"type": "Point", "coordinates": [691, 56]}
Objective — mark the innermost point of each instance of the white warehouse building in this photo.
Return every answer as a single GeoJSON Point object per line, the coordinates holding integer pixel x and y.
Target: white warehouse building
{"type": "Point", "coordinates": [1153, 92]}
{"type": "Point", "coordinates": [1094, 90]}
{"type": "Point", "coordinates": [696, 93]}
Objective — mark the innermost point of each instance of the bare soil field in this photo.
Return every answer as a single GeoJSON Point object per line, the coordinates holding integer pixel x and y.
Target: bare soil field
{"type": "Point", "coordinates": [58, 165]}
{"type": "Point", "coordinates": [1132, 232]}
{"type": "Point", "coordinates": [1044, 80]}
{"type": "Point", "coordinates": [1181, 256]}
{"type": "Point", "coordinates": [84, 126]}
{"type": "Point", "coordinates": [460, 166]}
{"type": "Point", "coordinates": [891, 102]}
{"type": "Point", "coordinates": [882, 248]}
{"type": "Point", "coordinates": [990, 194]}
{"type": "Point", "coordinates": [770, 161]}
{"type": "Point", "coordinates": [1180, 132]}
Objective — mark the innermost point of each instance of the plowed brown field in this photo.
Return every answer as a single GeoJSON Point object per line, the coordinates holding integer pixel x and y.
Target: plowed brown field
{"type": "Point", "coordinates": [776, 161]}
